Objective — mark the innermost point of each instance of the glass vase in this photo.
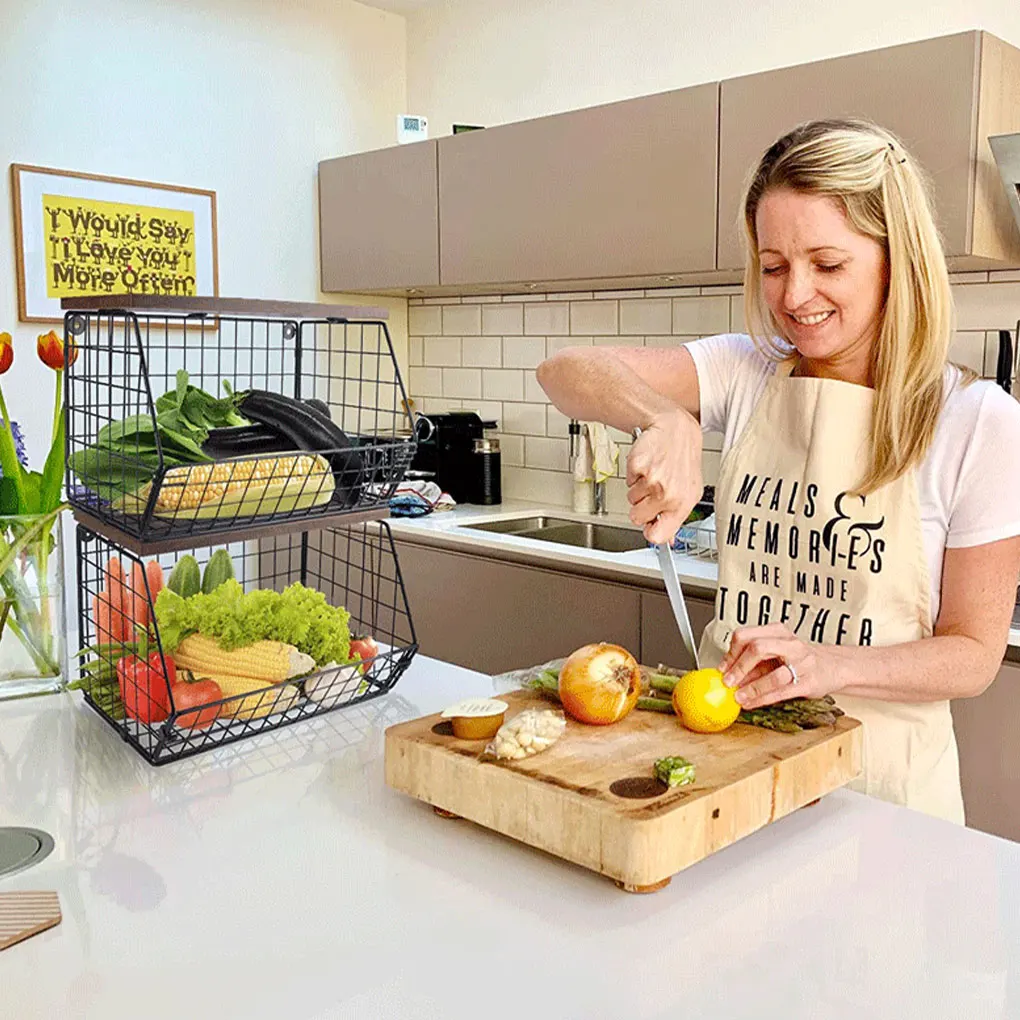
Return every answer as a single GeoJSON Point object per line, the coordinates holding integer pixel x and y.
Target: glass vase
{"type": "Point", "coordinates": [33, 619]}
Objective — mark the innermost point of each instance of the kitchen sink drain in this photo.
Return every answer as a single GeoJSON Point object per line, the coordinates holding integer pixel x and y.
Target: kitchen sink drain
{"type": "Point", "coordinates": [22, 848]}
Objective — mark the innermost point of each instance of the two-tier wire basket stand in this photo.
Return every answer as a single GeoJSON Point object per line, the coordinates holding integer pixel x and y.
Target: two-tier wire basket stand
{"type": "Point", "coordinates": [297, 494]}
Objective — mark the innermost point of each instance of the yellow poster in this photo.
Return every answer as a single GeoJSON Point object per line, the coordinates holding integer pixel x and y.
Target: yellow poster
{"type": "Point", "coordinates": [95, 247]}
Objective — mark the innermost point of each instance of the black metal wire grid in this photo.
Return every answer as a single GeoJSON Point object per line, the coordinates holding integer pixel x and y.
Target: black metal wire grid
{"type": "Point", "coordinates": [126, 468]}
{"type": "Point", "coordinates": [354, 567]}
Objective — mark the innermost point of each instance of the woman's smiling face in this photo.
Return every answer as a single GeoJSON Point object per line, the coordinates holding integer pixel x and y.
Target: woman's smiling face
{"type": "Point", "coordinates": [824, 282]}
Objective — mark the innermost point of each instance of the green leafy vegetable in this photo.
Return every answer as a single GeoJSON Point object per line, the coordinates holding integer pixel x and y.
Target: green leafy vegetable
{"type": "Point", "coordinates": [298, 615]}
{"type": "Point", "coordinates": [674, 771]}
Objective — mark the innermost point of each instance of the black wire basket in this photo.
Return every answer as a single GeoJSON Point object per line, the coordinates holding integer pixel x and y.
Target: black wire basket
{"type": "Point", "coordinates": [131, 679]}
{"type": "Point", "coordinates": [196, 425]}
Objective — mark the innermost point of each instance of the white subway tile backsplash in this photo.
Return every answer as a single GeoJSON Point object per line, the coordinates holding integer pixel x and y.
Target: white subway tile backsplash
{"type": "Point", "coordinates": [503, 320]}
{"type": "Point", "coordinates": [556, 422]}
{"type": "Point", "coordinates": [499, 341]}
{"type": "Point", "coordinates": [701, 315]}
{"type": "Point", "coordinates": [557, 343]}
{"type": "Point", "coordinates": [737, 323]}
{"type": "Point", "coordinates": [646, 315]}
{"type": "Point", "coordinates": [426, 382]}
{"type": "Point", "coordinates": [524, 419]}
{"type": "Point", "coordinates": [415, 351]}
{"type": "Point", "coordinates": [462, 382]}
{"type": "Point", "coordinates": [415, 301]}
{"type": "Point", "coordinates": [722, 289]}
{"type": "Point", "coordinates": [511, 450]}
{"type": "Point", "coordinates": [462, 320]}
{"type": "Point", "coordinates": [533, 393]}
{"type": "Point", "coordinates": [442, 351]}
{"type": "Point", "coordinates": [544, 453]}
{"type": "Point", "coordinates": [968, 349]}
{"type": "Point", "coordinates": [442, 301]}
{"type": "Point", "coordinates": [594, 318]}
{"type": "Point", "coordinates": [503, 384]}
{"type": "Point", "coordinates": [549, 319]}
{"type": "Point", "coordinates": [980, 276]}
{"type": "Point", "coordinates": [987, 305]}
{"type": "Point", "coordinates": [543, 487]}
{"type": "Point", "coordinates": [523, 351]}
{"type": "Point", "coordinates": [482, 352]}
{"type": "Point", "coordinates": [424, 320]}
{"type": "Point", "coordinates": [489, 410]}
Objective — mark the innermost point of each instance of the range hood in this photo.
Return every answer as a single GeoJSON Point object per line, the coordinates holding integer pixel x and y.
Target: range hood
{"type": "Point", "coordinates": [1006, 149]}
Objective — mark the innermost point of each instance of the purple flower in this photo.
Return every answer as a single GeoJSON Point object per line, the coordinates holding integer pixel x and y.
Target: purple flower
{"type": "Point", "coordinates": [19, 446]}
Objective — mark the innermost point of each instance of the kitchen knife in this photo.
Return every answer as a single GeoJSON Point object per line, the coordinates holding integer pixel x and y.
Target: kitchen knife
{"type": "Point", "coordinates": [676, 600]}
{"type": "Point", "coordinates": [667, 564]}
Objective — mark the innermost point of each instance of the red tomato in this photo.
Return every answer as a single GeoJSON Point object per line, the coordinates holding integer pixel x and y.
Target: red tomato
{"type": "Point", "coordinates": [364, 648]}
{"type": "Point", "coordinates": [192, 696]}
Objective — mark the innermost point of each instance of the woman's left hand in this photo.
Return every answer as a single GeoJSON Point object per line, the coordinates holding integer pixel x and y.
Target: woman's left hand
{"type": "Point", "coordinates": [762, 663]}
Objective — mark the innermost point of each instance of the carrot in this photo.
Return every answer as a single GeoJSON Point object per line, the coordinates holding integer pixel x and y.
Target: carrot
{"type": "Point", "coordinates": [137, 606]}
{"type": "Point", "coordinates": [154, 572]}
{"type": "Point", "coordinates": [108, 616]}
{"type": "Point", "coordinates": [115, 579]}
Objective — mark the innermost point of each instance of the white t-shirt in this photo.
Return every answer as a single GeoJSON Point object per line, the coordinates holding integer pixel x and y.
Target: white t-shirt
{"type": "Point", "coordinates": [969, 482]}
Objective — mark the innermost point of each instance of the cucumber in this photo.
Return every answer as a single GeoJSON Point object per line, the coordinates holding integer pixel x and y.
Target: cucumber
{"type": "Point", "coordinates": [185, 579]}
{"type": "Point", "coordinates": [220, 568]}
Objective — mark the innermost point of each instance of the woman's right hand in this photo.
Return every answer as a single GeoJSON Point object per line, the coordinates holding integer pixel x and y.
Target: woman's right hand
{"type": "Point", "coordinates": [664, 474]}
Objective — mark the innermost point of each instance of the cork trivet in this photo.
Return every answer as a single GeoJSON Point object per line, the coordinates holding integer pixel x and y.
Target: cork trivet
{"type": "Point", "coordinates": [24, 914]}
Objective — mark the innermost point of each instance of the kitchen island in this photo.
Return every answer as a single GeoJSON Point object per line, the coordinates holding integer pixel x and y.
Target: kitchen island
{"type": "Point", "coordinates": [279, 877]}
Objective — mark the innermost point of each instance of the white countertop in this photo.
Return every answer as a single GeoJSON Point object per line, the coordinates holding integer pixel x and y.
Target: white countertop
{"type": "Point", "coordinates": [279, 878]}
{"type": "Point", "coordinates": [447, 528]}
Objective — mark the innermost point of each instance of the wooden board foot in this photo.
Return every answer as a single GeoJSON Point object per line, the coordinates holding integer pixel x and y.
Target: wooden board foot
{"type": "Point", "coordinates": [627, 887]}
{"type": "Point", "coordinates": [812, 803]}
{"type": "Point", "coordinates": [443, 813]}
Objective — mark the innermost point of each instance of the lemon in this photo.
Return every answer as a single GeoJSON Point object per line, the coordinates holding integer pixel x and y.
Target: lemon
{"type": "Point", "coordinates": [704, 703]}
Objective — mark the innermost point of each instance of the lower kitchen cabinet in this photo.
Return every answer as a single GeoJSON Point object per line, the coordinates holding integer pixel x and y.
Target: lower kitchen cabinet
{"type": "Point", "coordinates": [988, 733]}
{"type": "Point", "coordinates": [660, 637]}
{"type": "Point", "coordinates": [493, 616]}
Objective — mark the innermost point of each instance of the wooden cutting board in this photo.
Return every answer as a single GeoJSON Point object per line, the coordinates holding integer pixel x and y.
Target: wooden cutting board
{"type": "Point", "coordinates": [24, 914]}
{"type": "Point", "coordinates": [592, 798]}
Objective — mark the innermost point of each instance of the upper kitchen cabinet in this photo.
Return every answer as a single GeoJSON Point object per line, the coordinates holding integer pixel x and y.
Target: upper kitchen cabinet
{"type": "Point", "coordinates": [622, 190]}
{"type": "Point", "coordinates": [942, 96]}
{"type": "Point", "coordinates": [379, 219]}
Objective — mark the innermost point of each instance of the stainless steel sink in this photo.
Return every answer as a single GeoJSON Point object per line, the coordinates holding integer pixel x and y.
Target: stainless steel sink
{"type": "Point", "coordinates": [581, 534]}
{"type": "Point", "coordinates": [516, 525]}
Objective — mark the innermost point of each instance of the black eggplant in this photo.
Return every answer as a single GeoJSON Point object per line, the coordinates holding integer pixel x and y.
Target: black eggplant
{"type": "Point", "coordinates": [245, 441]}
{"type": "Point", "coordinates": [311, 430]}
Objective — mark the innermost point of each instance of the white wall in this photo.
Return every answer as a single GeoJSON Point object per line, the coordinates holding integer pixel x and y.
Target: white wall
{"type": "Point", "coordinates": [493, 61]}
{"type": "Point", "coordinates": [243, 97]}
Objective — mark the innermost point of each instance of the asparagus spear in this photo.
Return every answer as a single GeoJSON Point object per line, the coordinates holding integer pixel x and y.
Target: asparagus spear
{"type": "Point", "coordinates": [674, 771]}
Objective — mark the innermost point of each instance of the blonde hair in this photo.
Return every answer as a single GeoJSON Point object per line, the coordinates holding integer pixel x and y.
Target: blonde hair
{"type": "Point", "coordinates": [885, 196]}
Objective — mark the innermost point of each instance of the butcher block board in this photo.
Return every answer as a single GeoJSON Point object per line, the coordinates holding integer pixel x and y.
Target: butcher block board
{"type": "Point", "coordinates": [563, 801]}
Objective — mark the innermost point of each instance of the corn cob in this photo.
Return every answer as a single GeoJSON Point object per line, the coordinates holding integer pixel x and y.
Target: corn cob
{"type": "Point", "coordinates": [263, 699]}
{"type": "Point", "coordinates": [266, 661]}
{"type": "Point", "coordinates": [238, 488]}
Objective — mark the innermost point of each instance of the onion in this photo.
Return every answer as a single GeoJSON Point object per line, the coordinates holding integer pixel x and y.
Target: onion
{"type": "Point", "coordinates": [599, 684]}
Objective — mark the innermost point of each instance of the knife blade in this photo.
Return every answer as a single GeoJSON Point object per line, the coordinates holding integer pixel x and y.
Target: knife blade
{"type": "Point", "coordinates": [676, 599]}
{"type": "Point", "coordinates": [667, 564]}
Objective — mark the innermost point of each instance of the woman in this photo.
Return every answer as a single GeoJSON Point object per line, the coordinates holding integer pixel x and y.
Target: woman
{"type": "Point", "coordinates": [865, 507]}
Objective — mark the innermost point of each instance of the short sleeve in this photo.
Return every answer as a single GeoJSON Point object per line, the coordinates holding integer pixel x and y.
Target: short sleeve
{"type": "Point", "coordinates": [986, 503]}
{"type": "Point", "coordinates": [722, 362]}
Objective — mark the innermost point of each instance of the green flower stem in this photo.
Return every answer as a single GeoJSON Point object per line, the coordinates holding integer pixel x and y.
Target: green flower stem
{"type": "Point", "coordinates": [45, 665]}
{"type": "Point", "coordinates": [57, 408]}
{"type": "Point", "coordinates": [16, 469]}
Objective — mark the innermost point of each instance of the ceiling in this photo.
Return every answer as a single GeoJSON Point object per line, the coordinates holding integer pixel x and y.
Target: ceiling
{"type": "Point", "coordinates": [400, 6]}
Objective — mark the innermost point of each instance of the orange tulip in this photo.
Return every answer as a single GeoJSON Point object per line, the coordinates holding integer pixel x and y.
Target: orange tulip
{"type": "Point", "coordinates": [6, 352]}
{"type": "Point", "coordinates": [51, 350]}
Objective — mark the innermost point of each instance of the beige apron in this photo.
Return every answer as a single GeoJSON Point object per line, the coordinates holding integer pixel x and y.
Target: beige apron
{"type": "Point", "coordinates": [796, 548]}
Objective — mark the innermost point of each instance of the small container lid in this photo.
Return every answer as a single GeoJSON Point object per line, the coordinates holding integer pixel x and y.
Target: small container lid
{"type": "Point", "coordinates": [486, 445]}
{"type": "Point", "coordinates": [475, 708]}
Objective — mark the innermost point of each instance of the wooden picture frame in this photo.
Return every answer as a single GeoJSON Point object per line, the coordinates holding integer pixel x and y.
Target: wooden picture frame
{"type": "Point", "coordinates": [80, 234]}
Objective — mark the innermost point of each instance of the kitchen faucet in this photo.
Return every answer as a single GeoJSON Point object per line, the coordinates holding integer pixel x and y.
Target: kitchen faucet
{"type": "Point", "coordinates": [589, 495]}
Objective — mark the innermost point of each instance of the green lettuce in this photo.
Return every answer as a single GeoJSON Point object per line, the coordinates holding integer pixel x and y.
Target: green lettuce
{"type": "Point", "coordinates": [298, 615]}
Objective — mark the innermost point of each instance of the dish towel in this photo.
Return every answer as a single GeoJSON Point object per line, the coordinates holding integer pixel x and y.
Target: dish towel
{"type": "Point", "coordinates": [605, 453]}
{"type": "Point", "coordinates": [416, 499]}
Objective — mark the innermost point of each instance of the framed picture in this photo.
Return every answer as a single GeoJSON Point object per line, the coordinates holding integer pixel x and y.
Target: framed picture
{"type": "Point", "coordinates": [84, 234]}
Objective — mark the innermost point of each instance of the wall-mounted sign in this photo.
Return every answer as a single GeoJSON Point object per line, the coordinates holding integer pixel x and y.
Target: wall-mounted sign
{"type": "Point", "coordinates": [84, 234]}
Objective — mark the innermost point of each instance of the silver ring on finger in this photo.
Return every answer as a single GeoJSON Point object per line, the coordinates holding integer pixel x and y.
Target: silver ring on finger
{"type": "Point", "coordinates": [794, 679]}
